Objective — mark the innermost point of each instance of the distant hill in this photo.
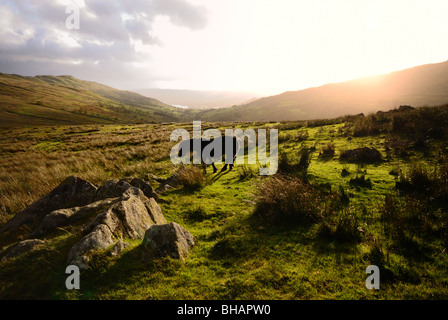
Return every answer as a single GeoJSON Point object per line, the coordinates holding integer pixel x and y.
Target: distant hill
{"type": "Point", "coordinates": [55, 100]}
{"type": "Point", "coordinates": [199, 99]}
{"type": "Point", "coordinates": [418, 86]}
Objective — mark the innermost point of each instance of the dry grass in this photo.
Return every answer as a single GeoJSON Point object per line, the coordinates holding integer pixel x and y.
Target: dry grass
{"type": "Point", "coordinates": [34, 161]}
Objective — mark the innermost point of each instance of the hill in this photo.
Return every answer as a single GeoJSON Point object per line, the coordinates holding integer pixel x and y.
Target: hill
{"type": "Point", "coordinates": [418, 86]}
{"type": "Point", "coordinates": [56, 100]}
{"type": "Point", "coordinates": [199, 99]}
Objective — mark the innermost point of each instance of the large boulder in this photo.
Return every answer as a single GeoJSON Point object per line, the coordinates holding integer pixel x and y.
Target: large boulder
{"type": "Point", "coordinates": [99, 239]}
{"type": "Point", "coordinates": [170, 240]}
{"type": "Point", "coordinates": [129, 218]}
{"type": "Point", "coordinates": [72, 192]}
{"type": "Point", "coordinates": [70, 216]}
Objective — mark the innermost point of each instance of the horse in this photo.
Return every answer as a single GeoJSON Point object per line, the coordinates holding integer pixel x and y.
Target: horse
{"type": "Point", "coordinates": [216, 151]}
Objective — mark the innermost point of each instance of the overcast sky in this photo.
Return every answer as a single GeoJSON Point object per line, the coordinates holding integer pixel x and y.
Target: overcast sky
{"type": "Point", "coordinates": [263, 46]}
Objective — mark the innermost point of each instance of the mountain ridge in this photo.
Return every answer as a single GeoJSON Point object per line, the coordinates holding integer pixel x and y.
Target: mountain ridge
{"type": "Point", "coordinates": [417, 86]}
{"type": "Point", "coordinates": [57, 100]}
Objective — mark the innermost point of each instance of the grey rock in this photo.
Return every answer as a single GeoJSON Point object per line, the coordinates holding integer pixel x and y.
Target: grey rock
{"type": "Point", "coordinates": [112, 189]}
{"type": "Point", "coordinates": [127, 218]}
{"type": "Point", "coordinates": [170, 240]}
{"type": "Point", "coordinates": [21, 247]}
{"type": "Point", "coordinates": [119, 247]}
{"type": "Point", "coordinates": [70, 216]}
{"type": "Point", "coordinates": [155, 211]}
{"type": "Point", "coordinates": [72, 192]}
{"type": "Point", "coordinates": [99, 239]}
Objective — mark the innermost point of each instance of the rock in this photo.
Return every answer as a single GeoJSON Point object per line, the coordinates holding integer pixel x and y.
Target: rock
{"type": "Point", "coordinates": [166, 184]}
{"type": "Point", "coordinates": [164, 188]}
{"type": "Point", "coordinates": [20, 248]}
{"type": "Point", "coordinates": [112, 189]}
{"type": "Point", "coordinates": [155, 211]}
{"type": "Point", "coordinates": [115, 210]}
{"type": "Point", "coordinates": [167, 240]}
{"type": "Point", "coordinates": [369, 155]}
{"type": "Point", "coordinates": [72, 192]}
{"type": "Point", "coordinates": [129, 217]}
{"type": "Point", "coordinates": [119, 247]}
{"type": "Point", "coordinates": [147, 189]}
{"type": "Point", "coordinates": [99, 239]}
{"type": "Point", "coordinates": [70, 216]}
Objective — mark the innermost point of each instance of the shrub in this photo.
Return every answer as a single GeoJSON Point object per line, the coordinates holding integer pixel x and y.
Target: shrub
{"type": "Point", "coordinates": [191, 178]}
{"type": "Point", "coordinates": [327, 151]}
{"type": "Point", "coordinates": [197, 214]}
{"type": "Point", "coordinates": [361, 155]}
{"type": "Point", "coordinates": [302, 135]}
{"type": "Point", "coordinates": [282, 199]}
{"type": "Point", "coordinates": [361, 181]}
{"type": "Point", "coordinates": [342, 227]}
{"type": "Point", "coordinates": [298, 168]}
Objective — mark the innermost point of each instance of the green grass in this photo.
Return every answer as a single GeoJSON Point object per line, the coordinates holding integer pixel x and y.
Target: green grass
{"type": "Point", "coordinates": [237, 255]}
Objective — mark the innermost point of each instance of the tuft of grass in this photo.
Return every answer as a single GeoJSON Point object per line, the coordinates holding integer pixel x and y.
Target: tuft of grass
{"type": "Point", "coordinates": [191, 178]}
{"type": "Point", "coordinates": [283, 199]}
{"type": "Point", "coordinates": [246, 172]}
{"type": "Point", "coordinates": [361, 182]}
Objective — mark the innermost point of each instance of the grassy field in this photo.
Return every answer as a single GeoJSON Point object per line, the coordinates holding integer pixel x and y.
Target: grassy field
{"type": "Point", "coordinates": [308, 232]}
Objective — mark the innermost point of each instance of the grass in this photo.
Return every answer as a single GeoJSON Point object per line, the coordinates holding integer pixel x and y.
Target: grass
{"type": "Point", "coordinates": [242, 252]}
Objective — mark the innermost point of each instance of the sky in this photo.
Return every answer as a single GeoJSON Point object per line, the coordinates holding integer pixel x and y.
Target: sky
{"type": "Point", "coordinates": [262, 46]}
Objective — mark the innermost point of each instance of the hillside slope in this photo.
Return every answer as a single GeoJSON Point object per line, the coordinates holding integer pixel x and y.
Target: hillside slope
{"type": "Point", "coordinates": [55, 100]}
{"type": "Point", "coordinates": [418, 86]}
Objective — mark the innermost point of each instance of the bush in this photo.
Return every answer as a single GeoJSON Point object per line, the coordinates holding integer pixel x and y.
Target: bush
{"type": "Point", "coordinates": [282, 199]}
{"type": "Point", "coordinates": [327, 151]}
{"type": "Point", "coordinates": [191, 178]}
{"type": "Point", "coordinates": [298, 168]}
{"type": "Point", "coordinates": [361, 182]}
{"type": "Point", "coordinates": [343, 227]}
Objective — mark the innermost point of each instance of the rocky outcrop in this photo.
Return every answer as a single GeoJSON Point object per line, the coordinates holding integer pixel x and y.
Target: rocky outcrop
{"type": "Point", "coordinates": [72, 192]}
{"type": "Point", "coordinates": [101, 216]}
{"type": "Point", "coordinates": [170, 240]}
{"type": "Point", "coordinates": [128, 217]}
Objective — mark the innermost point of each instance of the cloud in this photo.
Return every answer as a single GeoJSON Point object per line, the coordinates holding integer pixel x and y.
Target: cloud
{"type": "Point", "coordinates": [111, 35]}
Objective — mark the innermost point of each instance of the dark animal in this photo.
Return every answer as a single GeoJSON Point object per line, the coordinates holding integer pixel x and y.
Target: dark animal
{"type": "Point", "coordinates": [215, 152]}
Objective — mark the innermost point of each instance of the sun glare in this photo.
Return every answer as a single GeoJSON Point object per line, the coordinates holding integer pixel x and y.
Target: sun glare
{"type": "Point", "coordinates": [271, 47]}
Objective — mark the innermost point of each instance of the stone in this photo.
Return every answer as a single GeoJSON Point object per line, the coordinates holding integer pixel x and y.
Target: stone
{"type": "Point", "coordinates": [99, 239]}
{"type": "Point", "coordinates": [20, 248]}
{"type": "Point", "coordinates": [143, 185]}
{"type": "Point", "coordinates": [72, 192]}
{"type": "Point", "coordinates": [119, 247]}
{"type": "Point", "coordinates": [167, 240]}
{"type": "Point", "coordinates": [62, 217]}
{"type": "Point", "coordinates": [155, 211]}
{"type": "Point", "coordinates": [128, 218]}
{"type": "Point", "coordinates": [112, 189]}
